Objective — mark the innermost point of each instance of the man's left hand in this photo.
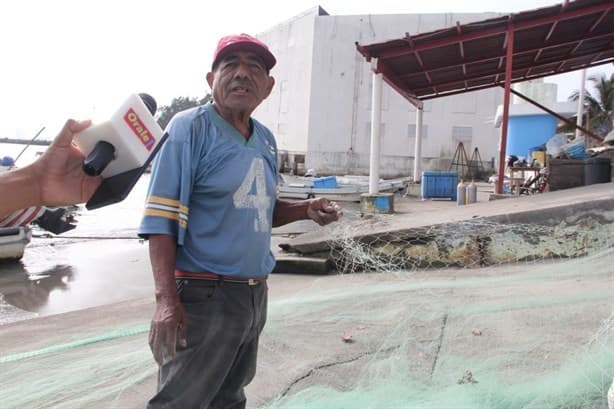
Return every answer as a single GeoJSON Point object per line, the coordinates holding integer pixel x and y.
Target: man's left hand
{"type": "Point", "coordinates": [323, 211]}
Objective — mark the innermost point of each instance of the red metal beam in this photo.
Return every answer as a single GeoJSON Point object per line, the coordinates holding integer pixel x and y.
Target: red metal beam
{"type": "Point", "coordinates": [595, 58]}
{"type": "Point", "coordinates": [501, 55]}
{"type": "Point", "coordinates": [564, 15]}
{"type": "Point", "coordinates": [552, 28]}
{"type": "Point", "coordinates": [590, 30]}
{"type": "Point", "coordinates": [419, 91]}
{"type": "Point", "coordinates": [561, 65]}
{"type": "Point", "coordinates": [426, 97]}
{"type": "Point", "coordinates": [598, 21]}
{"type": "Point", "coordinates": [506, 108]}
{"type": "Point", "coordinates": [363, 50]}
{"type": "Point", "coordinates": [538, 54]}
{"type": "Point", "coordinates": [462, 50]}
{"type": "Point", "coordinates": [550, 32]}
{"type": "Point", "coordinates": [547, 38]}
{"type": "Point", "coordinates": [397, 85]}
{"type": "Point", "coordinates": [460, 43]}
{"type": "Point", "coordinates": [418, 58]}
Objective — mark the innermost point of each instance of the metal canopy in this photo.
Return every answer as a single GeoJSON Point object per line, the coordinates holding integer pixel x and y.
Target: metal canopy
{"type": "Point", "coordinates": [469, 57]}
{"type": "Point", "coordinates": [497, 52]}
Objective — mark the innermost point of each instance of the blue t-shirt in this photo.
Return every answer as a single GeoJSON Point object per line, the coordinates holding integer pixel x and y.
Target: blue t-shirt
{"type": "Point", "coordinates": [215, 192]}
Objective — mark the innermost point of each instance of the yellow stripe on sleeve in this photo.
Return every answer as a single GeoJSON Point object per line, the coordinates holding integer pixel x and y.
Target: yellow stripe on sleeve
{"type": "Point", "coordinates": [168, 202]}
{"type": "Point", "coordinates": [168, 215]}
{"type": "Point", "coordinates": [164, 201]}
{"type": "Point", "coordinates": [162, 213]}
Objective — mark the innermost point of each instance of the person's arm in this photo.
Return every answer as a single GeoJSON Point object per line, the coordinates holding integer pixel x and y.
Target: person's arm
{"type": "Point", "coordinates": [320, 210]}
{"type": "Point", "coordinates": [54, 179]}
{"type": "Point", "coordinates": [169, 322]}
{"type": "Point", "coordinates": [18, 190]}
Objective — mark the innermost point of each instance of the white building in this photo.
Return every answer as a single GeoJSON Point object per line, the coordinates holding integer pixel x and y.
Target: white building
{"type": "Point", "coordinates": [320, 106]}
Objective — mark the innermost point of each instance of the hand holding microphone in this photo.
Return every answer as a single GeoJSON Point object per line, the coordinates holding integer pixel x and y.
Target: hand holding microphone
{"type": "Point", "coordinates": [54, 179]}
{"type": "Point", "coordinates": [123, 142]}
{"type": "Point", "coordinates": [121, 148]}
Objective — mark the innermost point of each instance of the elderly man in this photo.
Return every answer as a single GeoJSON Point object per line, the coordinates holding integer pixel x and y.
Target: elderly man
{"type": "Point", "coordinates": [209, 213]}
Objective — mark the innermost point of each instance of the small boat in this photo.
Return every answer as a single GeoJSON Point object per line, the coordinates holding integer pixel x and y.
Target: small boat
{"type": "Point", "coordinates": [15, 237]}
{"type": "Point", "coordinates": [339, 194]}
{"type": "Point", "coordinates": [13, 241]}
{"type": "Point", "coordinates": [344, 189]}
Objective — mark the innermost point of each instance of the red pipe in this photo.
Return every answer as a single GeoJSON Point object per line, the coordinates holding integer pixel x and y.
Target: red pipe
{"type": "Point", "coordinates": [506, 107]}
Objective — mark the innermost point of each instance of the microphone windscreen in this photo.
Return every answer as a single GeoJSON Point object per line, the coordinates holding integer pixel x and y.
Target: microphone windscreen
{"type": "Point", "coordinates": [149, 102]}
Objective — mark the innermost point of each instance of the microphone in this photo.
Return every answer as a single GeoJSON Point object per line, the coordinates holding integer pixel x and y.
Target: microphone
{"type": "Point", "coordinates": [121, 148]}
{"type": "Point", "coordinates": [149, 102]}
{"type": "Point", "coordinates": [124, 141]}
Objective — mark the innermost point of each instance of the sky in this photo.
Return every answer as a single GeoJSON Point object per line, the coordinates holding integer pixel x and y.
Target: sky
{"type": "Point", "coordinates": [81, 59]}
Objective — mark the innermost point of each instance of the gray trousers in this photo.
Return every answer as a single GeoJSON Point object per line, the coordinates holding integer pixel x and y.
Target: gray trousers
{"type": "Point", "coordinates": [224, 324]}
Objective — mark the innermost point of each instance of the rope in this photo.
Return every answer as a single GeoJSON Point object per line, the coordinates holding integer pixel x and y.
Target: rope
{"type": "Point", "coordinates": [140, 329]}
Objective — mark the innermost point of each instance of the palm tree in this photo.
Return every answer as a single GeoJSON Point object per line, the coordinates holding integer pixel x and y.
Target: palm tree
{"type": "Point", "coordinates": [600, 107]}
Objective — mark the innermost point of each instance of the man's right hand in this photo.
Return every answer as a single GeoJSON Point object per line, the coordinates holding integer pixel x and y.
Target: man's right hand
{"type": "Point", "coordinates": [168, 327]}
{"type": "Point", "coordinates": [59, 175]}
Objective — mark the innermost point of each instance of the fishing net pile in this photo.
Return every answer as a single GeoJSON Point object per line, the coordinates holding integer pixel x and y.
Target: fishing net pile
{"type": "Point", "coordinates": [475, 314]}
{"type": "Point", "coordinates": [468, 244]}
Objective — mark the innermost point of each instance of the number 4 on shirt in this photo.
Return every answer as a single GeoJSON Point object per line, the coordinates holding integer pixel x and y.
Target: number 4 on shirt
{"type": "Point", "coordinates": [242, 199]}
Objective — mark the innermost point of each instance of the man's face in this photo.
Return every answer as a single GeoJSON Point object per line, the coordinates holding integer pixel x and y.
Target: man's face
{"type": "Point", "coordinates": [240, 82]}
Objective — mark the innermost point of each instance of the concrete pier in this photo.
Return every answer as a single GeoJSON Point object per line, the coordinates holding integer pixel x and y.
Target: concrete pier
{"type": "Point", "coordinates": [536, 311]}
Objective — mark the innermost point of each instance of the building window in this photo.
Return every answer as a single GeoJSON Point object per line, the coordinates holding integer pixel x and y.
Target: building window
{"type": "Point", "coordinates": [462, 134]}
{"type": "Point", "coordinates": [411, 131]}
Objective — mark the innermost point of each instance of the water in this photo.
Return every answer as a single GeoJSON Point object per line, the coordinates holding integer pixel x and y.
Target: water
{"type": "Point", "coordinates": [102, 261]}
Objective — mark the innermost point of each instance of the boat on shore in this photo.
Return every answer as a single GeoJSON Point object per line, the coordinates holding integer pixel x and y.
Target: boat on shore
{"type": "Point", "coordinates": [343, 189]}
{"type": "Point", "coordinates": [13, 241]}
{"type": "Point", "coordinates": [16, 228]}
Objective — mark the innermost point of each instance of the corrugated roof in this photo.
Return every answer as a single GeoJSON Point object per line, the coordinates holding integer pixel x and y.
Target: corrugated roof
{"type": "Point", "coordinates": [468, 57]}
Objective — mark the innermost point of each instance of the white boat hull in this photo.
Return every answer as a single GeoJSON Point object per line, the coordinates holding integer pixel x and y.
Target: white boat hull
{"type": "Point", "coordinates": [347, 194]}
{"type": "Point", "coordinates": [350, 191]}
{"type": "Point", "coordinates": [13, 241]}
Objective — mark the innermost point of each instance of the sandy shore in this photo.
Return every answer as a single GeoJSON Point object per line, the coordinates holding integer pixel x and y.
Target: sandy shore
{"type": "Point", "coordinates": [531, 319]}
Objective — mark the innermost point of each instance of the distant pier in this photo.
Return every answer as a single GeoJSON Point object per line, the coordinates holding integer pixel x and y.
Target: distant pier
{"type": "Point", "coordinates": [24, 141]}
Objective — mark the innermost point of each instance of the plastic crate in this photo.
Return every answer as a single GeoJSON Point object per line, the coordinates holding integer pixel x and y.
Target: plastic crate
{"type": "Point", "coordinates": [325, 182]}
{"type": "Point", "coordinates": [439, 185]}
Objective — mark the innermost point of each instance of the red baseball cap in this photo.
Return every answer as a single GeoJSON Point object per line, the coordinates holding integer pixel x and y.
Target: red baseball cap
{"type": "Point", "coordinates": [243, 42]}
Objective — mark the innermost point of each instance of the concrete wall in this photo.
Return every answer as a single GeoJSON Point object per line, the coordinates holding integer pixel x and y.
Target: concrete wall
{"type": "Point", "coordinates": [331, 107]}
{"type": "Point", "coordinates": [286, 111]}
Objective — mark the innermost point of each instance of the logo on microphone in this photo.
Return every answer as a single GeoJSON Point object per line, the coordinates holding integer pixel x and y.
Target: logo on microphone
{"type": "Point", "coordinates": [141, 131]}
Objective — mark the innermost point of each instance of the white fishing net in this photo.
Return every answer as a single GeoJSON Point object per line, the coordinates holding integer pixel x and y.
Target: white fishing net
{"type": "Point", "coordinates": [476, 314]}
